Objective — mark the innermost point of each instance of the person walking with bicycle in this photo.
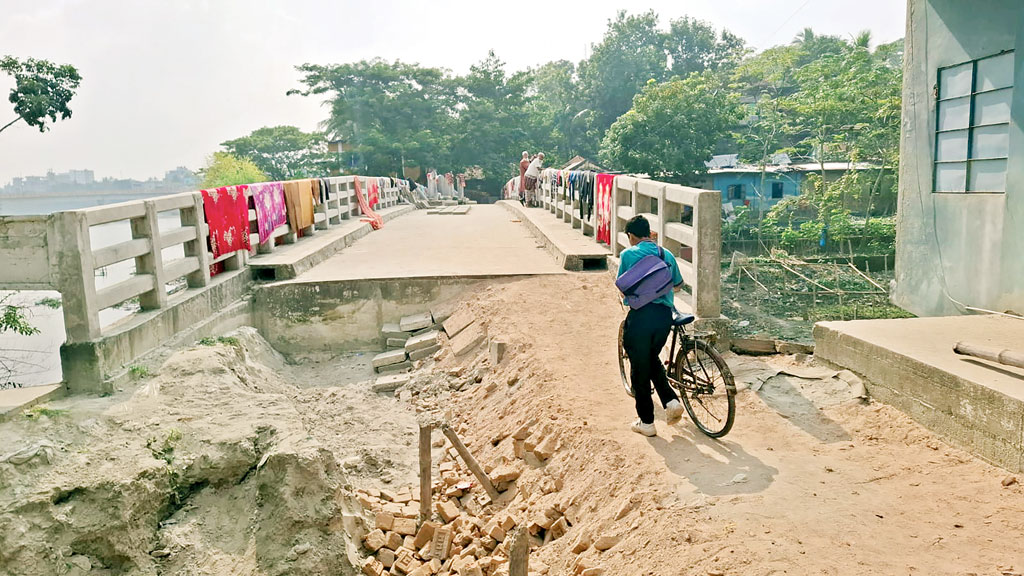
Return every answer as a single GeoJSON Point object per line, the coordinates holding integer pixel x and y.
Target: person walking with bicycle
{"type": "Point", "coordinates": [648, 326]}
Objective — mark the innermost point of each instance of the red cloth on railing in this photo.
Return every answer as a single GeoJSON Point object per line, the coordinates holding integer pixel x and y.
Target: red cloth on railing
{"type": "Point", "coordinates": [268, 200]}
{"type": "Point", "coordinates": [373, 192]}
{"type": "Point", "coordinates": [604, 183]}
{"type": "Point", "coordinates": [227, 215]}
{"type": "Point", "coordinates": [372, 217]}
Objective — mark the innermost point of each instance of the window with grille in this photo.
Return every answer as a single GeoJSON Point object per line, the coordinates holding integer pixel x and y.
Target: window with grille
{"type": "Point", "coordinates": [972, 125]}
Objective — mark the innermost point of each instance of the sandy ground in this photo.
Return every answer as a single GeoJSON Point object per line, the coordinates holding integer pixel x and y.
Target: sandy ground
{"type": "Point", "coordinates": [811, 480]}
{"type": "Point", "coordinates": [232, 461]}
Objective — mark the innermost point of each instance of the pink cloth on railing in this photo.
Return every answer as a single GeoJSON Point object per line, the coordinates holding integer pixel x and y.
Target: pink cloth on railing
{"type": "Point", "coordinates": [372, 217]}
{"type": "Point", "coordinates": [268, 200]}
{"type": "Point", "coordinates": [227, 215]}
{"type": "Point", "coordinates": [604, 183]}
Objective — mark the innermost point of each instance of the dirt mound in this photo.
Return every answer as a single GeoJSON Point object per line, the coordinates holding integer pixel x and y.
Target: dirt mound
{"type": "Point", "coordinates": [206, 468]}
{"type": "Point", "coordinates": [813, 478]}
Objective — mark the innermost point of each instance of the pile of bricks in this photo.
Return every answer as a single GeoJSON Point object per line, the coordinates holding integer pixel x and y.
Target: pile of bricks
{"type": "Point", "coordinates": [467, 534]}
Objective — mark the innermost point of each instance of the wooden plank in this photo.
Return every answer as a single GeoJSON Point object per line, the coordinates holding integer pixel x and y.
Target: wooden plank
{"type": "Point", "coordinates": [177, 236]}
{"type": "Point", "coordinates": [471, 462]}
{"type": "Point", "coordinates": [123, 291]}
{"type": "Point", "coordinates": [426, 495]}
{"type": "Point", "coordinates": [519, 553]}
{"type": "Point", "coordinates": [180, 267]}
{"type": "Point", "coordinates": [122, 251]}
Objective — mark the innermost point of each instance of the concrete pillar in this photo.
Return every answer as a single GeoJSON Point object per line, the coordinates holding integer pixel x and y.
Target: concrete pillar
{"type": "Point", "coordinates": [195, 216]}
{"type": "Point", "coordinates": [707, 220]}
{"type": "Point", "coordinates": [152, 262]}
{"type": "Point", "coordinates": [662, 215]}
{"type": "Point", "coordinates": [74, 275]}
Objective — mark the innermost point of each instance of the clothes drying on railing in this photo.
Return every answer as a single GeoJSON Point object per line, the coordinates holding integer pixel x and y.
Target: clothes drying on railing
{"type": "Point", "coordinates": [268, 201]}
{"type": "Point", "coordinates": [604, 184]}
{"type": "Point", "coordinates": [372, 217]}
{"type": "Point", "coordinates": [298, 197]}
{"type": "Point", "coordinates": [227, 215]}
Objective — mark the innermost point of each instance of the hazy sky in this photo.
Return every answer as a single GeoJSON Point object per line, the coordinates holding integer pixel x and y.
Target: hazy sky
{"type": "Point", "coordinates": [165, 81]}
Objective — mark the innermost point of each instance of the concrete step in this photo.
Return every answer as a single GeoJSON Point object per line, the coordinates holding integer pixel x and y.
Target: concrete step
{"type": "Point", "coordinates": [574, 250]}
{"type": "Point", "coordinates": [289, 260]}
{"type": "Point", "coordinates": [910, 364]}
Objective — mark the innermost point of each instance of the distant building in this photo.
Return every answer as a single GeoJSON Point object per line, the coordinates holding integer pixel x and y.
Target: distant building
{"type": "Point", "coordinates": [740, 184]}
{"type": "Point", "coordinates": [581, 163]}
{"type": "Point", "coordinates": [959, 237]}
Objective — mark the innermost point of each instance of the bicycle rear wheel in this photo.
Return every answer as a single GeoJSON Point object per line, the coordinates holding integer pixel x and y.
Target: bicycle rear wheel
{"type": "Point", "coordinates": [624, 362]}
{"type": "Point", "coordinates": [709, 391]}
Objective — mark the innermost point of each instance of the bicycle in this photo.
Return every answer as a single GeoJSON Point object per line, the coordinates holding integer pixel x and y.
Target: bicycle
{"type": "Point", "coordinates": [698, 373]}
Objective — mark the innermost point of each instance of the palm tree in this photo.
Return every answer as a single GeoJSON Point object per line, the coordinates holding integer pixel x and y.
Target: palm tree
{"type": "Point", "coordinates": [806, 36]}
{"type": "Point", "coordinates": [862, 40]}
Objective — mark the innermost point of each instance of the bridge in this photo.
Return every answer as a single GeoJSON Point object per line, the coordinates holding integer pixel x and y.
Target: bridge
{"type": "Point", "coordinates": [162, 244]}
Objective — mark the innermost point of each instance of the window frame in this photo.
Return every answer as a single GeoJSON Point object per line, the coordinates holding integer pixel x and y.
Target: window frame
{"type": "Point", "coordinates": [781, 188]}
{"type": "Point", "coordinates": [971, 127]}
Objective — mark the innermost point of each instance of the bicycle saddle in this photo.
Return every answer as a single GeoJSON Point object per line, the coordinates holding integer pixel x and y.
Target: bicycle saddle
{"type": "Point", "coordinates": [681, 319]}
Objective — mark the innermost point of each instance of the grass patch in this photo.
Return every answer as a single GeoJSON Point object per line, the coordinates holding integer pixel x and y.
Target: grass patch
{"type": "Point", "coordinates": [139, 372]}
{"type": "Point", "coordinates": [53, 303]}
{"type": "Point", "coordinates": [40, 410]}
{"type": "Point", "coordinates": [225, 340]}
{"type": "Point", "coordinates": [163, 449]}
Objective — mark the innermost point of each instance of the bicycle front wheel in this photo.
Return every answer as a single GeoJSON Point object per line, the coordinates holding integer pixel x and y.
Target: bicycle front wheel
{"type": "Point", "coordinates": [624, 361]}
{"type": "Point", "coordinates": [708, 389]}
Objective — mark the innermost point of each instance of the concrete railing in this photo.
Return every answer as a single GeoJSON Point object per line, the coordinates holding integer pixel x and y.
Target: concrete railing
{"type": "Point", "coordinates": [56, 252]}
{"type": "Point", "coordinates": [688, 222]}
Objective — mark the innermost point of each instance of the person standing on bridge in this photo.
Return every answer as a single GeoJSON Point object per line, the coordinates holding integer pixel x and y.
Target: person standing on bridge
{"type": "Point", "coordinates": [524, 164]}
{"type": "Point", "coordinates": [646, 332]}
{"type": "Point", "coordinates": [532, 177]}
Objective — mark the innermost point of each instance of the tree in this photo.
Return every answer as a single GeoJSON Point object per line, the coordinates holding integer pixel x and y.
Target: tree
{"type": "Point", "coordinates": [391, 114]}
{"type": "Point", "coordinates": [494, 121]}
{"type": "Point", "coordinates": [672, 127]}
{"type": "Point", "coordinates": [41, 90]}
{"type": "Point", "coordinates": [225, 169]}
{"type": "Point", "coordinates": [630, 54]}
{"type": "Point", "coordinates": [284, 152]}
{"type": "Point", "coordinates": [694, 46]}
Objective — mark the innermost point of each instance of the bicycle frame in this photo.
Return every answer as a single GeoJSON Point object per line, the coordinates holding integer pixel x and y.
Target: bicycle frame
{"type": "Point", "coordinates": [679, 333]}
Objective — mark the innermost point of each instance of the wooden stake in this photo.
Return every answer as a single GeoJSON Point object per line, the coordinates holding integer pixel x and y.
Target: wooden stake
{"type": "Point", "coordinates": [426, 496]}
{"type": "Point", "coordinates": [519, 553]}
{"type": "Point", "coordinates": [868, 278]}
{"type": "Point", "coordinates": [471, 462]}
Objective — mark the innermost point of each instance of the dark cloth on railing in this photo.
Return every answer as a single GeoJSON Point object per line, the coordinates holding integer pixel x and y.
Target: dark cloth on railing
{"type": "Point", "coordinates": [227, 215]}
{"type": "Point", "coordinates": [587, 195]}
{"type": "Point", "coordinates": [298, 196]}
{"type": "Point", "coordinates": [268, 201]}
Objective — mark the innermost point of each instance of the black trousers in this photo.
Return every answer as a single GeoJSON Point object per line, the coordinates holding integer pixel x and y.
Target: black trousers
{"type": "Point", "coordinates": [646, 332]}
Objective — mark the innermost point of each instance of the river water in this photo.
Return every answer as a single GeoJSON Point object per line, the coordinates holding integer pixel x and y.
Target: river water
{"type": "Point", "coordinates": [35, 360]}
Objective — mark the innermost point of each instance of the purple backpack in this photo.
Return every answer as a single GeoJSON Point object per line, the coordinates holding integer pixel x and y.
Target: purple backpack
{"type": "Point", "coordinates": [646, 281]}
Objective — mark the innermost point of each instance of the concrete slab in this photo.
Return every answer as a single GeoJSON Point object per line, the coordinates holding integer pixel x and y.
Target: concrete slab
{"type": "Point", "coordinates": [392, 330]}
{"type": "Point", "coordinates": [468, 340]}
{"type": "Point", "coordinates": [482, 244]}
{"type": "Point", "coordinates": [416, 322]}
{"type": "Point", "coordinates": [16, 399]}
{"type": "Point", "coordinates": [571, 249]}
{"type": "Point", "coordinates": [389, 358]}
{"type": "Point", "coordinates": [396, 342]}
{"type": "Point", "coordinates": [422, 341]}
{"type": "Point", "coordinates": [910, 364]}
{"type": "Point", "coordinates": [458, 322]}
{"type": "Point", "coordinates": [424, 352]}
{"type": "Point", "coordinates": [390, 383]}
{"type": "Point", "coordinates": [400, 367]}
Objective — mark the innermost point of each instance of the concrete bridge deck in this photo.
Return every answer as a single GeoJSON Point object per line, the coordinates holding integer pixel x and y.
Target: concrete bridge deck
{"type": "Point", "coordinates": [485, 242]}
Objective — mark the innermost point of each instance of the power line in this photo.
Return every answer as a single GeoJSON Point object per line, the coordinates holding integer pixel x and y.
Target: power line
{"type": "Point", "coordinates": [786, 21]}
